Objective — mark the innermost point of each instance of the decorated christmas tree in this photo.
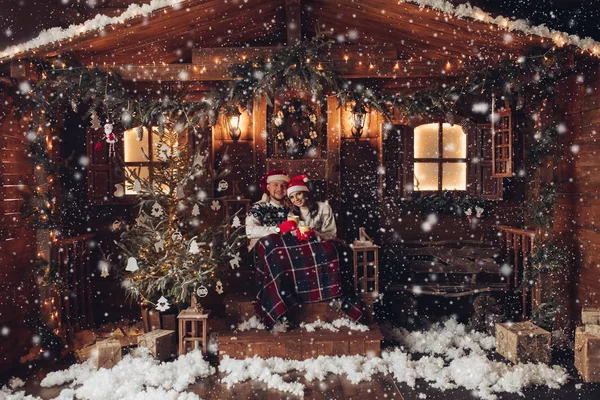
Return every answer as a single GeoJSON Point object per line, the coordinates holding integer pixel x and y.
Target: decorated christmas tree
{"type": "Point", "coordinates": [170, 253]}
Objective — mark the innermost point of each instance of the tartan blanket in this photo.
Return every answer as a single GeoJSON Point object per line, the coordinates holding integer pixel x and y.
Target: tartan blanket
{"type": "Point", "coordinates": [291, 272]}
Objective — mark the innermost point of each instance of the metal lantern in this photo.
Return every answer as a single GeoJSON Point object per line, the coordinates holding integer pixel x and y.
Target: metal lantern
{"type": "Point", "coordinates": [232, 122]}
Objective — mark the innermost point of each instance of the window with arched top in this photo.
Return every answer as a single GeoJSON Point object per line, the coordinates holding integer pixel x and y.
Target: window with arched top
{"type": "Point", "coordinates": [440, 158]}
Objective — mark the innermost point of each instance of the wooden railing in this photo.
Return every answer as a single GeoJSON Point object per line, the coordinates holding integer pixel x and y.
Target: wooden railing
{"type": "Point", "coordinates": [72, 302]}
{"type": "Point", "coordinates": [518, 244]}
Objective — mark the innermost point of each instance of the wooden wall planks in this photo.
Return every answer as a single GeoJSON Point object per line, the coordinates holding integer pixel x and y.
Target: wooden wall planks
{"type": "Point", "coordinates": [17, 245]}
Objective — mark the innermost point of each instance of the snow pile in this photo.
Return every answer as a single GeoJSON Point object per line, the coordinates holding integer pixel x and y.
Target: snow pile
{"type": "Point", "coordinates": [453, 358]}
{"type": "Point", "coordinates": [269, 371]}
{"type": "Point", "coordinates": [334, 326]}
{"type": "Point", "coordinates": [56, 34]}
{"type": "Point", "coordinates": [252, 323]}
{"type": "Point", "coordinates": [466, 10]}
{"type": "Point", "coordinates": [450, 339]}
{"type": "Point", "coordinates": [137, 376]}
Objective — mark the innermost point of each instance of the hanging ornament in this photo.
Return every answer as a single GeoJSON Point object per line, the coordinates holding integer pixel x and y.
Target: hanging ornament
{"type": "Point", "coordinates": [202, 291]}
{"type": "Point", "coordinates": [196, 210]}
{"type": "Point", "coordinates": [469, 214]}
{"type": "Point", "coordinates": [162, 304]}
{"type": "Point", "coordinates": [164, 152]}
{"type": "Point", "coordinates": [235, 261]}
{"type": "Point", "coordinates": [194, 249]}
{"type": "Point", "coordinates": [116, 225]}
{"type": "Point", "coordinates": [176, 236]}
{"type": "Point", "coordinates": [95, 121]}
{"type": "Point", "coordinates": [119, 190]}
{"type": "Point", "coordinates": [223, 186]}
{"type": "Point", "coordinates": [110, 138]}
{"type": "Point", "coordinates": [236, 222]}
{"type": "Point", "coordinates": [140, 134]}
{"type": "Point", "coordinates": [132, 265]}
{"type": "Point", "coordinates": [74, 105]}
{"type": "Point", "coordinates": [198, 160]}
{"type": "Point", "coordinates": [157, 210]}
{"type": "Point", "coordinates": [137, 186]}
{"type": "Point", "coordinates": [216, 205]}
{"type": "Point", "coordinates": [219, 287]}
{"type": "Point", "coordinates": [160, 245]}
{"type": "Point", "coordinates": [179, 192]}
{"type": "Point", "coordinates": [478, 211]}
{"type": "Point", "coordinates": [103, 268]}
{"type": "Point", "coordinates": [141, 219]}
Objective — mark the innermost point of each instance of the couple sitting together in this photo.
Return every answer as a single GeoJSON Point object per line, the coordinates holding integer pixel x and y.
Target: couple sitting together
{"type": "Point", "coordinates": [294, 251]}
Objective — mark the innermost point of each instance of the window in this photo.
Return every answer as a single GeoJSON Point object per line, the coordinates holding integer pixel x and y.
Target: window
{"type": "Point", "coordinates": [137, 154]}
{"type": "Point", "coordinates": [440, 158]}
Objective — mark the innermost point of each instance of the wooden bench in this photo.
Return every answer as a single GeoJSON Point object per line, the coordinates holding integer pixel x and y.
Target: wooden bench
{"type": "Point", "coordinates": [450, 269]}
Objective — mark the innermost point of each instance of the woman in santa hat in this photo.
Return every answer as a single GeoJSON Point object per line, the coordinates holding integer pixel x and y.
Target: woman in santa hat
{"type": "Point", "coordinates": [315, 214]}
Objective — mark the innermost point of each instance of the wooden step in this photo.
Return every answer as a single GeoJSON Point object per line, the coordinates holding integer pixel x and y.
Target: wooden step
{"type": "Point", "coordinates": [299, 344]}
{"type": "Point", "coordinates": [241, 308]}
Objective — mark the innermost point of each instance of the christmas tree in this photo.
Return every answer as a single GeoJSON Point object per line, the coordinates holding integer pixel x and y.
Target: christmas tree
{"type": "Point", "coordinates": [169, 252]}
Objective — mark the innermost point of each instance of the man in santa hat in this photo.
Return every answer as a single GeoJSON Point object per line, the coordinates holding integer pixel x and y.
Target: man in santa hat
{"type": "Point", "coordinates": [269, 215]}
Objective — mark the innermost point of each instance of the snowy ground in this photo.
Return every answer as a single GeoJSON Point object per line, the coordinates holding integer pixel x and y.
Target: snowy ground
{"type": "Point", "coordinates": [446, 357]}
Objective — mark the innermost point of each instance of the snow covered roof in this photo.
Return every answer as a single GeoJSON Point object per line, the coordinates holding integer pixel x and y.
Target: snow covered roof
{"type": "Point", "coordinates": [57, 40]}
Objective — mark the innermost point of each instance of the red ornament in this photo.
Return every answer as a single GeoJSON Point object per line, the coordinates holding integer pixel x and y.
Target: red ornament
{"type": "Point", "coordinates": [98, 146]}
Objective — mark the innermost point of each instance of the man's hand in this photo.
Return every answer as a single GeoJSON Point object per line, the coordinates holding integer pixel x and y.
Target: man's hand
{"type": "Point", "coordinates": [287, 226]}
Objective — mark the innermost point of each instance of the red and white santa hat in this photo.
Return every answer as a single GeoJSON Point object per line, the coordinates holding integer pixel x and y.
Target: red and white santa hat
{"type": "Point", "coordinates": [298, 184]}
{"type": "Point", "coordinates": [272, 176]}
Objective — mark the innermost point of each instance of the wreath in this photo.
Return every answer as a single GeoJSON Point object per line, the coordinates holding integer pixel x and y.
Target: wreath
{"type": "Point", "coordinates": [302, 112]}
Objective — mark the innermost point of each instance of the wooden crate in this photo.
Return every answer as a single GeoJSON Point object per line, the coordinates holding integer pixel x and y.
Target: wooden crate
{"type": "Point", "coordinates": [523, 342]}
{"type": "Point", "coordinates": [587, 355]}
{"type": "Point", "coordinates": [151, 320]}
{"type": "Point", "coordinates": [161, 343]}
{"type": "Point", "coordinates": [592, 330]}
{"type": "Point", "coordinates": [590, 316]}
{"type": "Point", "coordinates": [109, 353]}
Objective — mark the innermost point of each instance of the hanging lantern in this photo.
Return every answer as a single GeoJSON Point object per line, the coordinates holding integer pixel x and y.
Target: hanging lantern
{"type": "Point", "coordinates": [232, 123]}
{"type": "Point", "coordinates": [359, 114]}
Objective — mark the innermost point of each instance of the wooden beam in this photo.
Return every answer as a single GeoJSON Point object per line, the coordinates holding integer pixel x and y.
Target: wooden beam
{"type": "Point", "coordinates": [292, 22]}
{"type": "Point", "coordinates": [202, 56]}
{"type": "Point", "coordinates": [218, 70]}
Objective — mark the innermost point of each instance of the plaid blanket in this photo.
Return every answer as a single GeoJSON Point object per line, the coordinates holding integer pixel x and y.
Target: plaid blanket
{"type": "Point", "coordinates": [290, 272]}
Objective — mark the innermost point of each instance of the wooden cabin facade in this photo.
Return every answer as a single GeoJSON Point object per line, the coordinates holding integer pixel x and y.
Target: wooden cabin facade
{"type": "Point", "coordinates": [369, 181]}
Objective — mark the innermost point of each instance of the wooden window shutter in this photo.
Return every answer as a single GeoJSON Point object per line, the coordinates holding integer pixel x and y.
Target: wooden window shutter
{"type": "Point", "coordinates": [484, 185]}
{"type": "Point", "coordinates": [100, 180]}
{"type": "Point", "coordinates": [502, 150]}
{"type": "Point", "coordinates": [393, 159]}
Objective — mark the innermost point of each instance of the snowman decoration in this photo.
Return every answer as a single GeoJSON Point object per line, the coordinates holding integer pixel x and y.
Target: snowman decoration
{"type": "Point", "coordinates": [110, 138]}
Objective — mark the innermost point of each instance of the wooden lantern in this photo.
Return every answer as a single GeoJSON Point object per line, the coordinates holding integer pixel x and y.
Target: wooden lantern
{"type": "Point", "coordinates": [366, 276]}
{"type": "Point", "coordinates": [193, 326]}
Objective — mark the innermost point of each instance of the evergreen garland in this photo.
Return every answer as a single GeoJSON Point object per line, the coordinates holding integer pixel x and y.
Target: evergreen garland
{"type": "Point", "coordinates": [445, 203]}
{"type": "Point", "coordinates": [548, 255]}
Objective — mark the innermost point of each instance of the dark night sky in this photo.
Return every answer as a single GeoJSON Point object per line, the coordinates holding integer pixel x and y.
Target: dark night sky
{"type": "Point", "coordinates": [23, 19]}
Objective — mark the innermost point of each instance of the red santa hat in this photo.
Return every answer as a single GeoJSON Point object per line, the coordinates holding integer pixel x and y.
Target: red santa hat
{"type": "Point", "coordinates": [272, 176]}
{"type": "Point", "coordinates": [298, 184]}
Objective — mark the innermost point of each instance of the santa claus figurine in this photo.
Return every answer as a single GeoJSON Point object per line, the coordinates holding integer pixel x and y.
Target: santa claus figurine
{"type": "Point", "coordinates": [110, 138]}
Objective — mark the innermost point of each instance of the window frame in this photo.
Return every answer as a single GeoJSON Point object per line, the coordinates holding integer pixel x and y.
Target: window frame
{"type": "Point", "coordinates": [150, 163]}
{"type": "Point", "coordinates": [411, 160]}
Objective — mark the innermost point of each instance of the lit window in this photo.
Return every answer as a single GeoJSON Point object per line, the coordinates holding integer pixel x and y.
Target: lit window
{"type": "Point", "coordinates": [440, 157]}
{"type": "Point", "coordinates": [138, 158]}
